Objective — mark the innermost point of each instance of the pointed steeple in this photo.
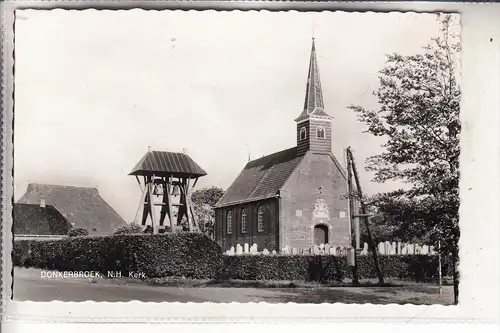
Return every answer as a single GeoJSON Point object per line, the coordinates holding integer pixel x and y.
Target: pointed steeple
{"type": "Point", "coordinates": [314, 128]}
{"type": "Point", "coordinates": [314, 94]}
{"type": "Point", "coordinates": [313, 103]}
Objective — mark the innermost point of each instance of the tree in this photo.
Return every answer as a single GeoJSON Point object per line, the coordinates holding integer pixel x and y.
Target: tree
{"type": "Point", "coordinates": [78, 232]}
{"type": "Point", "coordinates": [418, 114]}
{"type": "Point", "coordinates": [132, 228]}
{"type": "Point", "coordinates": [204, 201]}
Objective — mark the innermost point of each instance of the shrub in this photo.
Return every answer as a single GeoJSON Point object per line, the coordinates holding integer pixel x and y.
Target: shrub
{"type": "Point", "coordinates": [190, 255]}
{"type": "Point", "coordinates": [132, 228]}
{"type": "Point", "coordinates": [78, 232]}
{"type": "Point", "coordinates": [418, 268]}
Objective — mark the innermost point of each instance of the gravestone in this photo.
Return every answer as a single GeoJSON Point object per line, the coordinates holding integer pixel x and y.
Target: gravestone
{"type": "Point", "coordinates": [327, 248]}
{"type": "Point", "coordinates": [364, 251]}
{"type": "Point", "coordinates": [411, 248]}
{"type": "Point", "coordinates": [387, 247]}
{"type": "Point", "coordinates": [394, 248]}
{"type": "Point", "coordinates": [381, 248]}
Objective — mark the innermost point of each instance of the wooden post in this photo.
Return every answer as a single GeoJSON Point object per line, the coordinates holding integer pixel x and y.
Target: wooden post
{"type": "Point", "coordinates": [164, 207]}
{"type": "Point", "coordinates": [367, 224]}
{"type": "Point", "coordinates": [141, 203]}
{"type": "Point", "coordinates": [355, 279]}
{"type": "Point", "coordinates": [146, 202]}
{"type": "Point", "coordinates": [440, 271]}
{"type": "Point", "coordinates": [151, 206]}
{"type": "Point", "coordinates": [186, 204]}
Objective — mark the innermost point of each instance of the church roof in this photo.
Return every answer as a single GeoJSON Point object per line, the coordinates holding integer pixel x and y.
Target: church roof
{"type": "Point", "coordinates": [81, 206]}
{"type": "Point", "coordinates": [162, 163]}
{"type": "Point", "coordinates": [261, 178]}
{"type": "Point", "coordinates": [313, 103]}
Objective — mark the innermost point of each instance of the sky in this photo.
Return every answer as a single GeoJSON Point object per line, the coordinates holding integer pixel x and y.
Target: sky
{"type": "Point", "coordinates": [95, 88]}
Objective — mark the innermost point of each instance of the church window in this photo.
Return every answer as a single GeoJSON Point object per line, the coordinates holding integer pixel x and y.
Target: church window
{"type": "Point", "coordinates": [244, 222]}
{"type": "Point", "coordinates": [260, 219]}
{"type": "Point", "coordinates": [320, 132]}
{"type": "Point", "coordinates": [303, 133]}
{"type": "Point", "coordinates": [229, 222]}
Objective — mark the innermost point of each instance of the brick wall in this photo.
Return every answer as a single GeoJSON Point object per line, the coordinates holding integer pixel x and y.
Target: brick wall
{"type": "Point", "coordinates": [268, 238]}
{"type": "Point", "coordinates": [299, 196]}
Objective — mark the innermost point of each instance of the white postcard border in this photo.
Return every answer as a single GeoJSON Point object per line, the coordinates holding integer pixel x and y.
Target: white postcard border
{"type": "Point", "coordinates": [480, 157]}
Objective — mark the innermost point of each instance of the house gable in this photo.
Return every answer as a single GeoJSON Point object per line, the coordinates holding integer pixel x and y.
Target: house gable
{"type": "Point", "coordinates": [318, 179]}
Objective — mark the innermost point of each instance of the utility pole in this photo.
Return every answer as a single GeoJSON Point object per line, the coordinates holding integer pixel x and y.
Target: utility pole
{"type": "Point", "coordinates": [364, 215]}
{"type": "Point", "coordinates": [440, 272]}
{"type": "Point", "coordinates": [351, 256]}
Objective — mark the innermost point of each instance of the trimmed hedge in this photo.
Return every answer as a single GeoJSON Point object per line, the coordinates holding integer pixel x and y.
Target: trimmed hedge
{"type": "Point", "coordinates": [194, 255]}
{"type": "Point", "coordinates": [418, 268]}
{"type": "Point", "coordinates": [78, 232]}
{"type": "Point", "coordinates": [190, 255]}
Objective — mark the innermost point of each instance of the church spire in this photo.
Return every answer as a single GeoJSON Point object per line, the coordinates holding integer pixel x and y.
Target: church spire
{"type": "Point", "coordinates": [314, 94]}
{"type": "Point", "coordinates": [314, 130]}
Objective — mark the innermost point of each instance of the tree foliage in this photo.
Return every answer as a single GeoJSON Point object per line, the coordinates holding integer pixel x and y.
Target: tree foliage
{"type": "Point", "coordinates": [132, 228]}
{"type": "Point", "coordinates": [418, 114]}
{"type": "Point", "coordinates": [77, 232]}
{"type": "Point", "coordinates": [204, 201]}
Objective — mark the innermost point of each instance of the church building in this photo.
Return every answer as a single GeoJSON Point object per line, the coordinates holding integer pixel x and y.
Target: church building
{"type": "Point", "coordinates": [294, 197]}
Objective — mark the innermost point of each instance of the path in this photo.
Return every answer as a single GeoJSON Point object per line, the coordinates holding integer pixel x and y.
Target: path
{"type": "Point", "coordinates": [29, 286]}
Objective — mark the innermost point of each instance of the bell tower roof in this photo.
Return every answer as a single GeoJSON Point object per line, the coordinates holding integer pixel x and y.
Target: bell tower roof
{"type": "Point", "coordinates": [313, 103]}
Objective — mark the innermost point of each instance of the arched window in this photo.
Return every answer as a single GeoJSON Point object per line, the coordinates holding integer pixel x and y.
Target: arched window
{"type": "Point", "coordinates": [303, 133]}
{"type": "Point", "coordinates": [244, 224]}
{"type": "Point", "coordinates": [229, 221]}
{"type": "Point", "coordinates": [260, 219]}
{"type": "Point", "coordinates": [320, 132]}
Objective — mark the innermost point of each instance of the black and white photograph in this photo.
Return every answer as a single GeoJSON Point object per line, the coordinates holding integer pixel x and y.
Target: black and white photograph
{"type": "Point", "coordinates": [204, 156]}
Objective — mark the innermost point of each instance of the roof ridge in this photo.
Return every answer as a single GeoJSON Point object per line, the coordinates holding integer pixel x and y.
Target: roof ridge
{"type": "Point", "coordinates": [63, 186]}
{"type": "Point", "coordinates": [272, 154]}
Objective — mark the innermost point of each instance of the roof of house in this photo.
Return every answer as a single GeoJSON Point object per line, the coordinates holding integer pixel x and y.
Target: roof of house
{"type": "Point", "coordinates": [36, 220]}
{"type": "Point", "coordinates": [83, 207]}
{"type": "Point", "coordinates": [162, 163]}
{"type": "Point", "coordinates": [261, 178]}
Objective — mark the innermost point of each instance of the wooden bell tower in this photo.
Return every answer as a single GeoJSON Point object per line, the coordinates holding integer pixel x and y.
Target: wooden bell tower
{"type": "Point", "coordinates": [166, 180]}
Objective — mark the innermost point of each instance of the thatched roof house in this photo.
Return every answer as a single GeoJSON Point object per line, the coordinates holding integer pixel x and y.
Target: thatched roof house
{"type": "Point", "coordinates": [83, 207]}
{"type": "Point", "coordinates": [38, 220]}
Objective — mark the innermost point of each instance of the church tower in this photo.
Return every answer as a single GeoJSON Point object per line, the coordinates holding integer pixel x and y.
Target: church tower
{"type": "Point", "coordinates": [314, 125]}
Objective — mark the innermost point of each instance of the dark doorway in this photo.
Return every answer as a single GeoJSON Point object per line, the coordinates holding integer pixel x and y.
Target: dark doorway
{"type": "Point", "coordinates": [320, 234]}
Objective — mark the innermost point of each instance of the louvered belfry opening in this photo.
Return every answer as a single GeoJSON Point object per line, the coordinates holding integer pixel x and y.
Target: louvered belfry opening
{"type": "Point", "coordinates": [166, 180]}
